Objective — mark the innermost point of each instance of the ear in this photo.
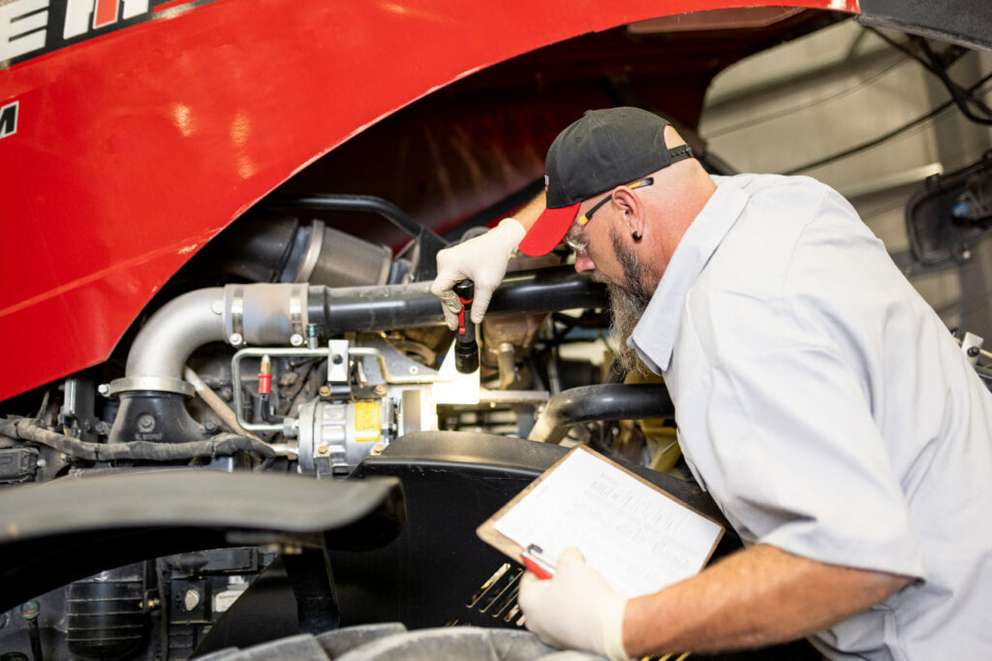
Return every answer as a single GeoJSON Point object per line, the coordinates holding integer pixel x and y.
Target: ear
{"type": "Point", "coordinates": [632, 211]}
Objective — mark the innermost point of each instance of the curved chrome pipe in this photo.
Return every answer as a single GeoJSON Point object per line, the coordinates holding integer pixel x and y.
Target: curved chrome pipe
{"type": "Point", "coordinates": [162, 347]}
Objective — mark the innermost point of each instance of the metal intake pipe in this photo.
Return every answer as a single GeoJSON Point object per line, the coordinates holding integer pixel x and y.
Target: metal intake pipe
{"type": "Point", "coordinates": [160, 350]}
{"type": "Point", "coordinates": [152, 390]}
{"type": "Point", "coordinates": [612, 401]}
{"type": "Point", "coordinates": [278, 314]}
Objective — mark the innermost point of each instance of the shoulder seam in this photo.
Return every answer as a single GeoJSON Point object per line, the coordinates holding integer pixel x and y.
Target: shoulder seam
{"type": "Point", "coordinates": [799, 237]}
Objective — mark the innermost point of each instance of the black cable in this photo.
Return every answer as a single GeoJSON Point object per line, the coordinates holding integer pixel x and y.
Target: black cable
{"type": "Point", "coordinates": [870, 80]}
{"type": "Point", "coordinates": [301, 384]}
{"type": "Point", "coordinates": [885, 137]}
{"type": "Point", "coordinates": [938, 67]}
{"type": "Point", "coordinates": [219, 445]}
{"type": "Point", "coordinates": [907, 51]}
{"type": "Point", "coordinates": [961, 99]}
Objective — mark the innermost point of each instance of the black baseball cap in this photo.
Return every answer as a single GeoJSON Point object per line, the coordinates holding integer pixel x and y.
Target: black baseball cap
{"type": "Point", "coordinates": [602, 150]}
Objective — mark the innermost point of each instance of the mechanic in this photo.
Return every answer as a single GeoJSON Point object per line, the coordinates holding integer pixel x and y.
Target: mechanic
{"type": "Point", "coordinates": [820, 401]}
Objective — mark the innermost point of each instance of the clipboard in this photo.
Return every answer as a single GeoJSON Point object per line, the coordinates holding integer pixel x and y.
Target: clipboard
{"type": "Point", "coordinates": [488, 533]}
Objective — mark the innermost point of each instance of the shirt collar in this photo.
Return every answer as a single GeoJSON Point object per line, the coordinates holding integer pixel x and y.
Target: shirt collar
{"type": "Point", "coordinates": [654, 335]}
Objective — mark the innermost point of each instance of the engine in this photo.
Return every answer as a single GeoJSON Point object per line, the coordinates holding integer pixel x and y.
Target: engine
{"type": "Point", "coordinates": [333, 405]}
{"type": "Point", "coordinates": [300, 350]}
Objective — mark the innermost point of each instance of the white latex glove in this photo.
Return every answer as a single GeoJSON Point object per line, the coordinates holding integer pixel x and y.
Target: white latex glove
{"type": "Point", "coordinates": [482, 260]}
{"type": "Point", "coordinates": [575, 609]}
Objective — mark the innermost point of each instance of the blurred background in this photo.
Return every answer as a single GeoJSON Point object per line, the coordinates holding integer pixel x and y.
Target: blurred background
{"type": "Point", "coordinates": [836, 92]}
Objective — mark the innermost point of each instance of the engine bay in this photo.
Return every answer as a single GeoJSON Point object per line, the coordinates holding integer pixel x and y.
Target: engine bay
{"type": "Point", "coordinates": [299, 365]}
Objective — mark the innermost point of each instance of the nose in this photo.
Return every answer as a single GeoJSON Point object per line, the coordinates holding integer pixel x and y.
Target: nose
{"type": "Point", "coordinates": [583, 263]}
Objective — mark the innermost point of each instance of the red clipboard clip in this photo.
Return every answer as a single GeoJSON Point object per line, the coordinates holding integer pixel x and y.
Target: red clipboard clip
{"type": "Point", "coordinates": [535, 564]}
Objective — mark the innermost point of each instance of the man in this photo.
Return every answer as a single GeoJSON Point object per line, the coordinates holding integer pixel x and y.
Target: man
{"type": "Point", "coordinates": [820, 401]}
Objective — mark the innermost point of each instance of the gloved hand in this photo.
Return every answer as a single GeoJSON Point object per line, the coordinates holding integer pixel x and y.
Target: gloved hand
{"type": "Point", "coordinates": [482, 260]}
{"type": "Point", "coordinates": [576, 609]}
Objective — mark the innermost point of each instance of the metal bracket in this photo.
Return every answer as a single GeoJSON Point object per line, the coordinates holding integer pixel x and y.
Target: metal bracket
{"type": "Point", "coordinates": [339, 369]}
{"type": "Point", "coordinates": [971, 345]}
{"type": "Point", "coordinates": [396, 369]}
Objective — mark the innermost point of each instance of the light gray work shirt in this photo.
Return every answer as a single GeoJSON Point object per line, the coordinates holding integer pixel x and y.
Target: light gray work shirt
{"type": "Point", "coordinates": [828, 411]}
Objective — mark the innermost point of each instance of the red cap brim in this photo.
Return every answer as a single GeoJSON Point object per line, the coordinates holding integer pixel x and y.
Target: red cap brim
{"type": "Point", "coordinates": [550, 228]}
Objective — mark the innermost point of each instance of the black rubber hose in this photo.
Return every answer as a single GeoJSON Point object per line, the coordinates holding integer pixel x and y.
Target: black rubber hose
{"type": "Point", "coordinates": [219, 445]}
{"type": "Point", "coordinates": [612, 401]}
{"type": "Point", "coordinates": [344, 309]}
{"type": "Point", "coordinates": [363, 203]}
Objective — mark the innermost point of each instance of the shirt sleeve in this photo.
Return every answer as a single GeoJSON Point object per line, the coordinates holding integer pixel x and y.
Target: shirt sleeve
{"type": "Point", "coordinates": [802, 465]}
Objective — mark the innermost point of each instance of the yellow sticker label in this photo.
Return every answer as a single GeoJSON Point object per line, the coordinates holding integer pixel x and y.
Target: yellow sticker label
{"type": "Point", "coordinates": [367, 421]}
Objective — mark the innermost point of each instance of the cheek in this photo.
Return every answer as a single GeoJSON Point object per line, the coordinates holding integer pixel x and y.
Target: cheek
{"type": "Point", "coordinates": [602, 255]}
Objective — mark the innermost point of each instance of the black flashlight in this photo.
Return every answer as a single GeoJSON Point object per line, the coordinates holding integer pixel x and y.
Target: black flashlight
{"type": "Point", "coordinates": [466, 348]}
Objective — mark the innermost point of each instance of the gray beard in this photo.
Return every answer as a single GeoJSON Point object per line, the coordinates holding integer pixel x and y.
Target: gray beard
{"type": "Point", "coordinates": [627, 303]}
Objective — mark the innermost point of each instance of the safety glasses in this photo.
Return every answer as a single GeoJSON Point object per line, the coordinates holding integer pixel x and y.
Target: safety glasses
{"type": "Point", "coordinates": [577, 243]}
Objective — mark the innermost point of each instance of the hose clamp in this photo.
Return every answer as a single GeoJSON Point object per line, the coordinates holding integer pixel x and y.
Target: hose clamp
{"type": "Point", "coordinates": [152, 383]}
{"type": "Point", "coordinates": [236, 334]}
{"type": "Point", "coordinates": [314, 246]}
{"type": "Point", "coordinates": [297, 314]}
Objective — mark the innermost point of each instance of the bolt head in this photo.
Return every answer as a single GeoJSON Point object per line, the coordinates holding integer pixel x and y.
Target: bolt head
{"type": "Point", "coordinates": [414, 369]}
{"type": "Point", "coordinates": [323, 449]}
{"type": "Point", "coordinates": [380, 390]}
{"type": "Point", "coordinates": [146, 423]}
{"type": "Point", "coordinates": [325, 391]}
{"type": "Point", "coordinates": [191, 599]}
{"type": "Point", "coordinates": [217, 307]}
{"type": "Point", "coordinates": [104, 389]}
{"type": "Point", "coordinates": [236, 339]}
{"type": "Point", "coordinates": [296, 339]}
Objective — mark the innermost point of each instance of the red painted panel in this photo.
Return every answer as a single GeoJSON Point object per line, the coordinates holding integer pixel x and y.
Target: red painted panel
{"type": "Point", "coordinates": [134, 148]}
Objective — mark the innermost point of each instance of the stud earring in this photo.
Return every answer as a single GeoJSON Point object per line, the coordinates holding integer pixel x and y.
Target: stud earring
{"type": "Point", "coordinates": [636, 236]}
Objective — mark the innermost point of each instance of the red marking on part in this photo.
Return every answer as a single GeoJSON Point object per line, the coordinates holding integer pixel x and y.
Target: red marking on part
{"type": "Point", "coordinates": [461, 314]}
{"type": "Point", "coordinates": [264, 384]}
{"type": "Point", "coordinates": [105, 13]}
